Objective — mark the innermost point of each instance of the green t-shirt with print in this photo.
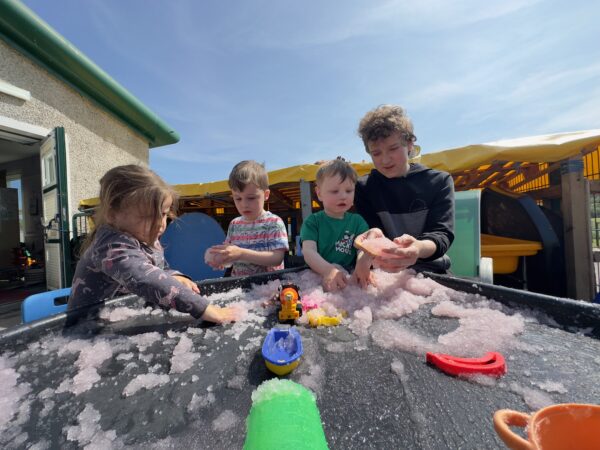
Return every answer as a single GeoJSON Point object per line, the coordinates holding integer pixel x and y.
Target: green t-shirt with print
{"type": "Point", "coordinates": [334, 237]}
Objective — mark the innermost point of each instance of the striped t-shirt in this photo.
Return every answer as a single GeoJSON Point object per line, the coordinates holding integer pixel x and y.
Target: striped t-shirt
{"type": "Point", "coordinates": [266, 233]}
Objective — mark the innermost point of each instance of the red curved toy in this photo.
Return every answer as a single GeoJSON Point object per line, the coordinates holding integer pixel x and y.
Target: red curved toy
{"type": "Point", "coordinates": [492, 364]}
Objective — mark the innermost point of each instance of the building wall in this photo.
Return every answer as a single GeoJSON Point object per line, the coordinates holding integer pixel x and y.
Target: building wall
{"type": "Point", "coordinates": [96, 141]}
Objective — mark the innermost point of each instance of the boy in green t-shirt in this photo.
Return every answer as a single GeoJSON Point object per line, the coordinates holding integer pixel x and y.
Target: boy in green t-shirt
{"type": "Point", "coordinates": [328, 235]}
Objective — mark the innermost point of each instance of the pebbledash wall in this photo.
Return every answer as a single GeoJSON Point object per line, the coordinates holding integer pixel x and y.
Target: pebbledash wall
{"type": "Point", "coordinates": [96, 140]}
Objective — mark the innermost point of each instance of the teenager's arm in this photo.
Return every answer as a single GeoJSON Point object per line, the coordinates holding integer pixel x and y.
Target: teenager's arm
{"type": "Point", "coordinates": [439, 227]}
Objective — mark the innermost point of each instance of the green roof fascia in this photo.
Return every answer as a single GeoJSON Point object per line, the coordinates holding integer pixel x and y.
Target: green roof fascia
{"type": "Point", "coordinates": [21, 28]}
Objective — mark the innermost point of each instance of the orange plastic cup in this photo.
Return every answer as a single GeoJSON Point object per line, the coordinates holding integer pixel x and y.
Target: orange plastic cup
{"type": "Point", "coordinates": [556, 427]}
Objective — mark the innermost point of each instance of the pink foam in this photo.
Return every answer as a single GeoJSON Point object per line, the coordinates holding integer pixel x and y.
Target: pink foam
{"type": "Point", "coordinates": [375, 246]}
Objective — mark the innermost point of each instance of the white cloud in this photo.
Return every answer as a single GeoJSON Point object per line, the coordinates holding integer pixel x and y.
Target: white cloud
{"type": "Point", "coordinates": [303, 24]}
{"type": "Point", "coordinates": [436, 93]}
{"type": "Point", "coordinates": [580, 115]}
{"type": "Point", "coordinates": [552, 80]}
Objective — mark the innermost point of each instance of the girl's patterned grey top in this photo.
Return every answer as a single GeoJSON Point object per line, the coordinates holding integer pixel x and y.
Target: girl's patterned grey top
{"type": "Point", "coordinates": [116, 264]}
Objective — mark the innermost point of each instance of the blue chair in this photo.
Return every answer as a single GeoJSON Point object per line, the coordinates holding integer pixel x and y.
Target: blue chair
{"type": "Point", "coordinates": [42, 305]}
{"type": "Point", "coordinates": [186, 239]}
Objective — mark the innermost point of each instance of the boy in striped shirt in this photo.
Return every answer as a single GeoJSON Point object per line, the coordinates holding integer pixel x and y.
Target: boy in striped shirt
{"type": "Point", "coordinates": [257, 240]}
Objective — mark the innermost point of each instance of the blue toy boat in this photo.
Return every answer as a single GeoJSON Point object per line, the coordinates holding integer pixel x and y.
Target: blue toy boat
{"type": "Point", "coordinates": [282, 350]}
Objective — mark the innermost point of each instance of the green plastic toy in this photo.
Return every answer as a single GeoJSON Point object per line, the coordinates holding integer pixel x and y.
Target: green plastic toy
{"type": "Point", "coordinates": [284, 414]}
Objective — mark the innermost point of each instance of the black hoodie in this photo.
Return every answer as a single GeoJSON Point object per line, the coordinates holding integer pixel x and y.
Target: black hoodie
{"type": "Point", "coordinates": [420, 204]}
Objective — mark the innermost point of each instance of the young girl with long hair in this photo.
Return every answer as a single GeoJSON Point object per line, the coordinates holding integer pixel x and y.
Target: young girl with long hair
{"type": "Point", "coordinates": [123, 255]}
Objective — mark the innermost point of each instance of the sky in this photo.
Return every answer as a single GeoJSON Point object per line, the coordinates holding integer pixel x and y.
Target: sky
{"type": "Point", "coordinates": [286, 82]}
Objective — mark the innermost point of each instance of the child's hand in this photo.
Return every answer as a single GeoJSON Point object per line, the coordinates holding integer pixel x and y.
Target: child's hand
{"type": "Point", "coordinates": [363, 276]}
{"type": "Point", "coordinates": [220, 315]}
{"type": "Point", "coordinates": [213, 259]}
{"type": "Point", "coordinates": [227, 254]}
{"type": "Point", "coordinates": [334, 280]}
{"type": "Point", "coordinates": [405, 255]}
{"type": "Point", "coordinates": [188, 283]}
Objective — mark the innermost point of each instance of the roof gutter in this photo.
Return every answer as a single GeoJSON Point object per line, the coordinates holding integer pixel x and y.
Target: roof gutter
{"type": "Point", "coordinates": [22, 29]}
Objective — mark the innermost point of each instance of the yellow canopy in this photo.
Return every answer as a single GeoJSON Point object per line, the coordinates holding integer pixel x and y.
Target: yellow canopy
{"type": "Point", "coordinates": [293, 174]}
{"type": "Point", "coordinates": [534, 149]}
{"type": "Point", "coordinates": [477, 165]}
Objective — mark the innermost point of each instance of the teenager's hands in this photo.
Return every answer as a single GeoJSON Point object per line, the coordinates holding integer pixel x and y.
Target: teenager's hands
{"type": "Point", "coordinates": [405, 255]}
{"type": "Point", "coordinates": [334, 280]}
{"type": "Point", "coordinates": [369, 234]}
{"type": "Point", "coordinates": [187, 282]}
{"type": "Point", "coordinates": [220, 315]}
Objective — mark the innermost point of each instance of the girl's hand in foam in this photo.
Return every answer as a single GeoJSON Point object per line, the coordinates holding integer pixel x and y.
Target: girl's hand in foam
{"type": "Point", "coordinates": [220, 315]}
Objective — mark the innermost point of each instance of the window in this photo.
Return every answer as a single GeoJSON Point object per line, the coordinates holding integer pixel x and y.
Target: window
{"type": "Point", "coordinates": [48, 171]}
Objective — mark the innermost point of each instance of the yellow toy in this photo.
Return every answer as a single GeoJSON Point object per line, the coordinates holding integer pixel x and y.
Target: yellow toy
{"type": "Point", "coordinates": [290, 306]}
{"type": "Point", "coordinates": [317, 318]}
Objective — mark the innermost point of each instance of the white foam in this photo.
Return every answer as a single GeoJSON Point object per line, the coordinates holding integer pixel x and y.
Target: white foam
{"type": "Point", "coordinates": [533, 398]}
{"type": "Point", "coordinates": [122, 313]}
{"type": "Point", "coordinates": [200, 401]}
{"type": "Point", "coordinates": [145, 340]}
{"type": "Point", "coordinates": [88, 432]}
{"type": "Point", "coordinates": [144, 381]}
{"type": "Point", "coordinates": [551, 386]}
{"type": "Point", "coordinates": [390, 334]}
{"type": "Point", "coordinates": [246, 321]}
{"type": "Point", "coordinates": [237, 382]}
{"type": "Point", "coordinates": [14, 406]}
{"type": "Point", "coordinates": [183, 358]}
{"type": "Point", "coordinates": [226, 420]}
{"type": "Point", "coordinates": [398, 368]}
{"type": "Point", "coordinates": [480, 329]}
{"type": "Point", "coordinates": [362, 320]}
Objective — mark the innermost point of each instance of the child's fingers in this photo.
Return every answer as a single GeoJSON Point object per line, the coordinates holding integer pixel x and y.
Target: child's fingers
{"type": "Point", "coordinates": [366, 281]}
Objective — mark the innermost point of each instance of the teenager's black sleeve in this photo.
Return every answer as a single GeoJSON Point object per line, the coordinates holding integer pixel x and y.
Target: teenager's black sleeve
{"type": "Point", "coordinates": [439, 226]}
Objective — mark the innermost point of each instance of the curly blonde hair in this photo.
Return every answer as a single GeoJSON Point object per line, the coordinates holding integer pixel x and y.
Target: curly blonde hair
{"type": "Point", "coordinates": [382, 122]}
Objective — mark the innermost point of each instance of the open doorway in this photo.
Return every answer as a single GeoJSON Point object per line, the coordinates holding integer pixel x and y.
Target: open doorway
{"type": "Point", "coordinates": [35, 250]}
{"type": "Point", "coordinates": [22, 259]}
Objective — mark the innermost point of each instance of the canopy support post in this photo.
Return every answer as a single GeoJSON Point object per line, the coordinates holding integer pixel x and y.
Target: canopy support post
{"type": "Point", "coordinates": [577, 231]}
{"type": "Point", "coordinates": [305, 199]}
